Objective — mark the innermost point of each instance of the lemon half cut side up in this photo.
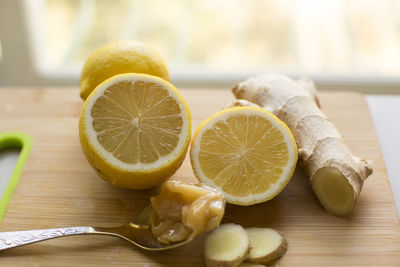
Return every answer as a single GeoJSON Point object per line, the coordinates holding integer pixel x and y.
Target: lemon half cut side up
{"type": "Point", "coordinates": [135, 130]}
{"type": "Point", "coordinates": [246, 152]}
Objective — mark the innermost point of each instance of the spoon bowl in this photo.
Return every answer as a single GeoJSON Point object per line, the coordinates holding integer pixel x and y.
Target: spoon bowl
{"type": "Point", "coordinates": [138, 232]}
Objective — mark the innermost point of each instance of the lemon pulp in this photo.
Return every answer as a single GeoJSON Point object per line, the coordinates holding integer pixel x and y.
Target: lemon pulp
{"type": "Point", "coordinates": [130, 124]}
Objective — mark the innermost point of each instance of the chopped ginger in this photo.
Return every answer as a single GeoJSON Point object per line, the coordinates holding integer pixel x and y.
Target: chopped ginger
{"type": "Point", "coordinates": [182, 211]}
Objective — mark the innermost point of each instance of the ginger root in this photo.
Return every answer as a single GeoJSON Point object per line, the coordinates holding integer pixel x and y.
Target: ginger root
{"type": "Point", "coordinates": [336, 175]}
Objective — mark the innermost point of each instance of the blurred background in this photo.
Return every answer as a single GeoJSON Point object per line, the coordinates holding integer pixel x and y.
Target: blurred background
{"type": "Point", "coordinates": [343, 45]}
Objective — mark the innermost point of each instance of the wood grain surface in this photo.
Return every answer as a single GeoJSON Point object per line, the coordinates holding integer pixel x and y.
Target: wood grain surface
{"type": "Point", "coordinates": [58, 188]}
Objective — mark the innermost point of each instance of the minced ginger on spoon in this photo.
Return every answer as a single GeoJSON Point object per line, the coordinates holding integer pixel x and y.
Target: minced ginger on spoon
{"type": "Point", "coordinates": [183, 211]}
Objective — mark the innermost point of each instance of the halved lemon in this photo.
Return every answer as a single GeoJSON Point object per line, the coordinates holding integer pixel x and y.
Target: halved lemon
{"type": "Point", "coordinates": [135, 130]}
{"type": "Point", "coordinates": [246, 152]}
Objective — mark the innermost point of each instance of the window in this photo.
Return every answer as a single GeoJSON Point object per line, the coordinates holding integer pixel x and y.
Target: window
{"type": "Point", "coordinates": [220, 42]}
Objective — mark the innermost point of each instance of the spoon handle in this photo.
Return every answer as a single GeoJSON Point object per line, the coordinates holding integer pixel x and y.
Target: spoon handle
{"type": "Point", "coordinates": [20, 238]}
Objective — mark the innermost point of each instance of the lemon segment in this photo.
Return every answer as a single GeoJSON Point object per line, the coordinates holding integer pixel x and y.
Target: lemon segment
{"type": "Point", "coordinates": [135, 130]}
{"type": "Point", "coordinates": [117, 58]}
{"type": "Point", "coordinates": [246, 152]}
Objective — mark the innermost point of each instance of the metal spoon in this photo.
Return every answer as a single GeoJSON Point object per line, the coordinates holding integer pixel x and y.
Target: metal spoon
{"type": "Point", "coordinates": [137, 232]}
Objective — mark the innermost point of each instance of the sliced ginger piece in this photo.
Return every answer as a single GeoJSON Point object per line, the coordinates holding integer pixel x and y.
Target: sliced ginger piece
{"type": "Point", "coordinates": [227, 246]}
{"type": "Point", "coordinates": [183, 211]}
{"type": "Point", "coordinates": [266, 245]}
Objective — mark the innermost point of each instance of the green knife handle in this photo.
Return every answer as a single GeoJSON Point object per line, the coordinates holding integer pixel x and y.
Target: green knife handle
{"type": "Point", "coordinates": [14, 140]}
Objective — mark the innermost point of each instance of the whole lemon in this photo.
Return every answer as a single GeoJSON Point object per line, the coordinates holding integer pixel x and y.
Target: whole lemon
{"type": "Point", "coordinates": [120, 57]}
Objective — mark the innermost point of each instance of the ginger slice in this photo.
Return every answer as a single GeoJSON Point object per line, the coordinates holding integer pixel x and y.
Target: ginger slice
{"type": "Point", "coordinates": [336, 175]}
{"type": "Point", "coordinates": [266, 245]}
{"type": "Point", "coordinates": [183, 211]}
{"type": "Point", "coordinates": [228, 245]}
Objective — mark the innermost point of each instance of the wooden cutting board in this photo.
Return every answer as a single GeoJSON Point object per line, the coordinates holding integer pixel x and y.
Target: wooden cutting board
{"type": "Point", "coordinates": [58, 188]}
